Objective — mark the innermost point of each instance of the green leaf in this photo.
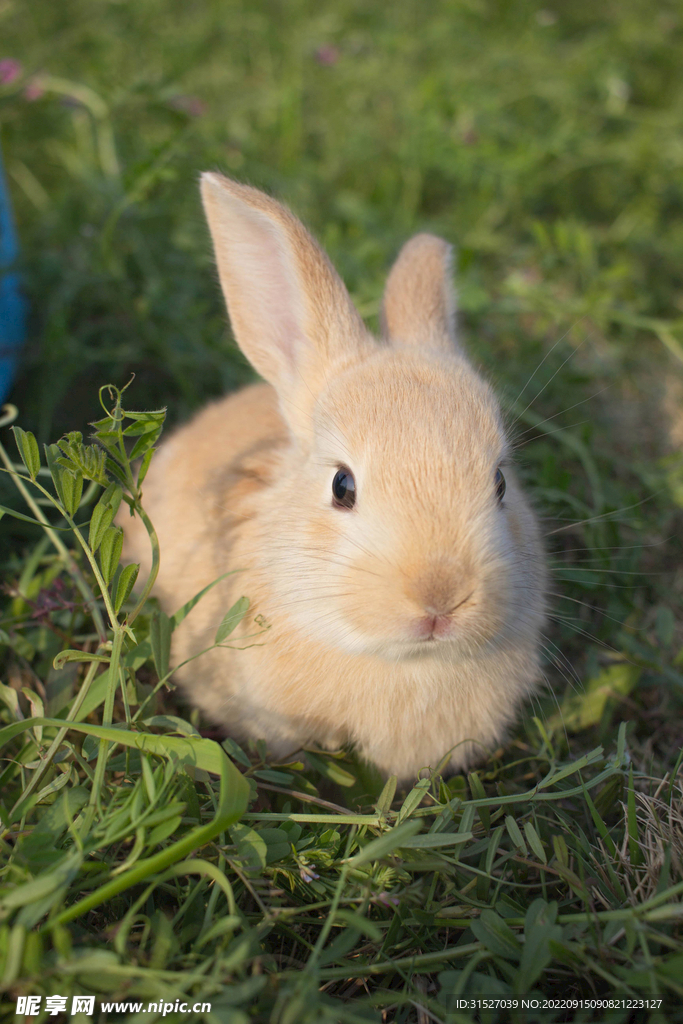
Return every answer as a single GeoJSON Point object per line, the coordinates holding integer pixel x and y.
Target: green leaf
{"type": "Point", "coordinates": [28, 450]}
{"type": "Point", "coordinates": [479, 793]}
{"type": "Point", "coordinates": [116, 470]}
{"type": "Point", "coordinates": [141, 427]}
{"type": "Point", "coordinates": [173, 723]}
{"type": "Point", "coordinates": [433, 840]}
{"type": "Point", "coordinates": [199, 753]}
{"type": "Point", "coordinates": [278, 843]}
{"type": "Point", "coordinates": [71, 489]}
{"type": "Point", "coordinates": [4, 511]}
{"type": "Point", "coordinates": [159, 415]}
{"type": "Point", "coordinates": [37, 708]}
{"type": "Point", "coordinates": [164, 830]}
{"type": "Point", "coordinates": [103, 515]}
{"type": "Point", "coordinates": [71, 655]}
{"type": "Point", "coordinates": [561, 851]}
{"type": "Point", "coordinates": [582, 710]}
{"type": "Point", "coordinates": [10, 697]}
{"type": "Point", "coordinates": [534, 842]}
{"type": "Point", "coordinates": [635, 852]}
{"type": "Point", "coordinates": [232, 803]}
{"type": "Point", "coordinates": [89, 461]}
{"type": "Point", "coordinates": [100, 521]}
{"type": "Point", "coordinates": [95, 695]}
{"type": "Point", "coordinates": [185, 610]}
{"type": "Point", "coordinates": [143, 444]}
{"type": "Point", "coordinates": [364, 925]}
{"type": "Point", "coordinates": [236, 753]}
{"type": "Point", "coordinates": [496, 935]}
{"type": "Point", "coordinates": [71, 440]}
{"type": "Point", "coordinates": [113, 496]}
{"type": "Point", "coordinates": [125, 584]}
{"type": "Point", "coordinates": [599, 824]}
{"type": "Point", "coordinates": [148, 779]}
{"type": "Point", "coordinates": [144, 465]}
{"type": "Point", "coordinates": [160, 638]}
{"type": "Point", "coordinates": [515, 834]}
{"type": "Point", "coordinates": [329, 769]}
{"type": "Point", "coordinates": [231, 619]}
{"type": "Point", "coordinates": [229, 923]}
{"type": "Point", "coordinates": [392, 840]}
{"type": "Point", "coordinates": [111, 547]}
{"type": "Point", "coordinates": [44, 885]}
{"type": "Point", "coordinates": [386, 797]}
{"type": "Point", "coordinates": [251, 847]}
{"type": "Point", "coordinates": [552, 778]}
{"type": "Point", "coordinates": [62, 811]}
{"type": "Point", "coordinates": [414, 799]}
{"type": "Point", "coordinates": [496, 837]}
{"type": "Point", "coordinates": [539, 931]}
{"type": "Point", "coordinates": [52, 453]}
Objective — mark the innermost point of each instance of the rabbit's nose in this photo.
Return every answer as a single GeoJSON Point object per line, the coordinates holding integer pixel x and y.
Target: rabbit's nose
{"type": "Point", "coordinates": [438, 624]}
{"type": "Point", "coordinates": [432, 627]}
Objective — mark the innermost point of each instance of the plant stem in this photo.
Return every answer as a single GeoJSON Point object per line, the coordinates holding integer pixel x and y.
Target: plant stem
{"type": "Point", "coordinates": [69, 561]}
{"type": "Point", "coordinates": [56, 743]}
{"type": "Point", "coordinates": [154, 571]}
{"type": "Point", "coordinates": [107, 716]}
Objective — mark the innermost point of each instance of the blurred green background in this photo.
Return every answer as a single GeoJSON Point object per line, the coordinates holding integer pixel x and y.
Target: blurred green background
{"type": "Point", "coordinates": [545, 141]}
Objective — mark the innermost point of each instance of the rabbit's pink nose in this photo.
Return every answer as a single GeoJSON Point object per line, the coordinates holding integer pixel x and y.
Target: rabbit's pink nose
{"type": "Point", "coordinates": [433, 627]}
{"type": "Point", "coordinates": [437, 624]}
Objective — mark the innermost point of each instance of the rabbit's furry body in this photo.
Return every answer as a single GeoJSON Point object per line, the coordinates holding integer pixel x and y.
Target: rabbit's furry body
{"type": "Point", "coordinates": [408, 624]}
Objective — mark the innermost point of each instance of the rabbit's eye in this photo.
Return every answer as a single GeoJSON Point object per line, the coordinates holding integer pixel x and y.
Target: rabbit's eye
{"type": "Point", "coordinates": [344, 488]}
{"type": "Point", "coordinates": [500, 485]}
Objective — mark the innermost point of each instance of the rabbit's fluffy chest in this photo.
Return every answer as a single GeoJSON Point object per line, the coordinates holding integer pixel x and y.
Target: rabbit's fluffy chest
{"type": "Point", "coordinates": [401, 716]}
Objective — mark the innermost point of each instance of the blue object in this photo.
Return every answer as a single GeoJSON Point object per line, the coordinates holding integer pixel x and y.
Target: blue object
{"type": "Point", "coordinates": [12, 302]}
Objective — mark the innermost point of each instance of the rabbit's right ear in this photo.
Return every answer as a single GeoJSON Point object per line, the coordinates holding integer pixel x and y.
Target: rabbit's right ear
{"type": "Point", "coordinates": [419, 302]}
{"type": "Point", "coordinates": [290, 312]}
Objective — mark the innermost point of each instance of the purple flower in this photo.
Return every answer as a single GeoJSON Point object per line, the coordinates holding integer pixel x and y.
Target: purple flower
{"type": "Point", "coordinates": [387, 900]}
{"type": "Point", "coordinates": [191, 105]}
{"type": "Point", "coordinates": [308, 874]}
{"type": "Point", "coordinates": [33, 90]}
{"type": "Point", "coordinates": [10, 70]}
{"type": "Point", "coordinates": [327, 55]}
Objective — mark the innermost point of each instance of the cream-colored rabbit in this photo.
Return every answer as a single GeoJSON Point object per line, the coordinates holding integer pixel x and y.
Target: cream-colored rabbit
{"type": "Point", "coordinates": [365, 492]}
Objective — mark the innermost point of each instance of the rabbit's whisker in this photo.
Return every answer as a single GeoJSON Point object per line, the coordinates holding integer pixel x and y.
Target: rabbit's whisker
{"type": "Point", "coordinates": [518, 445]}
{"type": "Point", "coordinates": [547, 356]}
{"type": "Point", "coordinates": [592, 608]}
{"type": "Point", "coordinates": [559, 658]}
{"type": "Point", "coordinates": [564, 411]}
{"type": "Point", "coordinates": [604, 515]}
{"type": "Point", "coordinates": [617, 547]}
{"type": "Point", "coordinates": [560, 367]}
{"type": "Point", "coordinates": [570, 624]}
{"type": "Point", "coordinates": [580, 565]}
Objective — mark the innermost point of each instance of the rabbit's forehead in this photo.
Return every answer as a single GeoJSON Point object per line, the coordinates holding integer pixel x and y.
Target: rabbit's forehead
{"type": "Point", "coordinates": [411, 409]}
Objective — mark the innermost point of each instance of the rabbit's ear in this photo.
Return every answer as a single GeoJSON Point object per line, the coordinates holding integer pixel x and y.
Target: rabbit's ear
{"type": "Point", "coordinates": [290, 312]}
{"type": "Point", "coordinates": [419, 302]}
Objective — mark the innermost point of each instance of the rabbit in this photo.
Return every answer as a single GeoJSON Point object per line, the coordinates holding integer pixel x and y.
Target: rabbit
{"type": "Point", "coordinates": [365, 493]}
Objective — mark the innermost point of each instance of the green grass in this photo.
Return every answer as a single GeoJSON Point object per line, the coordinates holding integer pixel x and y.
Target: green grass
{"type": "Point", "coordinates": [546, 144]}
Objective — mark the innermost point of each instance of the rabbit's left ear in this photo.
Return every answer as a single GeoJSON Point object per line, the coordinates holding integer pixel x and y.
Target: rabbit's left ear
{"type": "Point", "coordinates": [419, 302]}
{"type": "Point", "coordinates": [290, 312]}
